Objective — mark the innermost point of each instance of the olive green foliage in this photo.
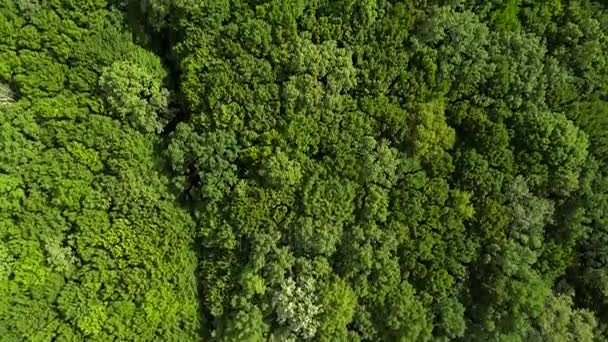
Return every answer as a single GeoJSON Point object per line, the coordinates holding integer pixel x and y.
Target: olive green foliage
{"type": "Point", "coordinates": [6, 94]}
{"type": "Point", "coordinates": [368, 170]}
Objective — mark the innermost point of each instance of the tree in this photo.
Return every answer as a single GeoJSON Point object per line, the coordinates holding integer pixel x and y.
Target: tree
{"type": "Point", "coordinates": [135, 96]}
{"type": "Point", "coordinates": [303, 170]}
{"type": "Point", "coordinates": [93, 243]}
{"type": "Point", "coordinates": [561, 322]}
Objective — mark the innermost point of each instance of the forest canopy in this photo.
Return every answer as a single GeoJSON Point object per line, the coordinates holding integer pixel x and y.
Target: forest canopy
{"type": "Point", "coordinates": [292, 170]}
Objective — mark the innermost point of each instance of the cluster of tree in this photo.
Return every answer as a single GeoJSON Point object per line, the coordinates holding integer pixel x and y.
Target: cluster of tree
{"type": "Point", "coordinates": [93, 245]}
{"type": "Point", "coordinates": [350, 170]}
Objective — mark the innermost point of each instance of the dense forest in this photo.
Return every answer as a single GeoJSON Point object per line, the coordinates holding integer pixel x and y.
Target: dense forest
{"type": "Point", "coordinates": [292, 170]}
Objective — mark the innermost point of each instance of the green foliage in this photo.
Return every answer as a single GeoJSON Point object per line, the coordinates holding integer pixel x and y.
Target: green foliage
{"type": "Point", "coordinates": [133, 95]}
{"type": "Point", "coordinates": [93, 244]}
{"type": "Point", "coordinates": [6, 94]}
{"type": "Point", "coordinates": [555, 166]}
{"type": "Point", "coordinates": [291, 170]}
{"type": "Point", "coordinates": [407, 318]}
{"type": "Point", "coordinates": [338, 302]}
{"type": "Point", "coordinates": [559, 322]}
